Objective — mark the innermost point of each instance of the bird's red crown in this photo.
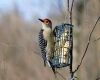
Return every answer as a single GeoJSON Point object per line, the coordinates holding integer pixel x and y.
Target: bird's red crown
{"type": "Point", "coordinates": [46, 21]}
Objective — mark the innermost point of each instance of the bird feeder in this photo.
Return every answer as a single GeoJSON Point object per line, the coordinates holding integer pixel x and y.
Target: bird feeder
{"type": "Point", "coordinates": [63, 45]}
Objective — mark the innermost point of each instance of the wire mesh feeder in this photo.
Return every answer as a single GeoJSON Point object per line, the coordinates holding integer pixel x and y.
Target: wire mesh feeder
{"type": "Point", "coordinates": [63, 45]}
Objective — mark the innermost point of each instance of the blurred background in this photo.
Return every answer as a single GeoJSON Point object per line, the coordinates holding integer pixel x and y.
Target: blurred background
{"type": "Point", "coordinates": [20, 57]}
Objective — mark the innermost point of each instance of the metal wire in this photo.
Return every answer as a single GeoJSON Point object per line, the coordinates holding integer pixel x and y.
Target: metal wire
{"type": "Point", "coordinates": [61, 55]}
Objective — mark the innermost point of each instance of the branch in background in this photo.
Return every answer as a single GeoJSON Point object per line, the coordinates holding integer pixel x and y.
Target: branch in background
{"type": "Point", "coordinates": [71, 50]}
{"type": "Point", "coordinates": [87, 46]}
{"type": "Point", "coordinates": [97, 39]}
{"type": "Point", "coordinates": [98, 78]}
{"type": "Point", "coordinates": [68, 5]}
{"type": "Point", "coordinates": [61, 75]}
{"type": "Point", "coordinates": [71, 11]}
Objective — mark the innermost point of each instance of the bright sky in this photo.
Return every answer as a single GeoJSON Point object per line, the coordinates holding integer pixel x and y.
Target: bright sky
{"type": "Point", "coordinates": [28, 8]}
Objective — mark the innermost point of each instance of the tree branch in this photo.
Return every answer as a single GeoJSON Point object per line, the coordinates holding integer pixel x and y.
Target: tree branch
{"type": "Point", "coordinates": [71, 11]}
{"type": "Point", "coordinates": [61, 75]}
{"type": "Point", "coordinates": [87, 46]}
{"type": "Point", "coordinates": [98, 78]}
{"type": "Point", "coordinates": [68, 5]}
{"type": "Point", "coordinates": [97, 39]}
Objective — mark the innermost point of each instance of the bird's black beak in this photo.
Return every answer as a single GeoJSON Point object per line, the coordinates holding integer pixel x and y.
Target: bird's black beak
{"type": "Point", "coordinates": [41, 20]}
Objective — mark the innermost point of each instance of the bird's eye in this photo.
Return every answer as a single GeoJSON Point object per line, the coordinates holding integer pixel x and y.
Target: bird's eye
{"type": "Point", "coordinates": [46, 21]}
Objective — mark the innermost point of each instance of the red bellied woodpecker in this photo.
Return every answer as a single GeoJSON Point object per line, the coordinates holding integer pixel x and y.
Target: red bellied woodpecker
{"type": "Point", "coordinates": [47, 42]}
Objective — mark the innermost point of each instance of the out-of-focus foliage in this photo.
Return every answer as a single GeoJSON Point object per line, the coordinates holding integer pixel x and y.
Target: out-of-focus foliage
{"type": "Point", "coordinates": [19, 51]}
{"type": "Point", "coordinates": [20, 57]}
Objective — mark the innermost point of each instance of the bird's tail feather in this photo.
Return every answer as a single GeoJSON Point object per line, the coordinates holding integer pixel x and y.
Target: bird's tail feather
{"type": "Point", "coordinates": [53, 68]}
{"type": "Point", "coordinates": [44, 63]}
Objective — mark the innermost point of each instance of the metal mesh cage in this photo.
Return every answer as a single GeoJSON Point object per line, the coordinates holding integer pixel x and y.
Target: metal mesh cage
{"type": "Point", "coordinates": [63, 45]}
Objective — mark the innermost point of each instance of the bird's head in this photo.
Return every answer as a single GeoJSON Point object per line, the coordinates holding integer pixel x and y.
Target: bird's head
{"type": "Point", "coordinates": [46, 23]}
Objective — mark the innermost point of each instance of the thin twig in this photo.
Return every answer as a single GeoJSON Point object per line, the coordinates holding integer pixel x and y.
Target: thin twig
{"type": "Point", "coordinates": [68, 5]}
{"type": "Point", "coordinates": [87, 46]}
{"type": "Point", "coordinates": [72, 6]}
{"type": "Point", "coordinates": [98, 78]}
{"type": "Point", "coordinates": [97, 39]}
{"type": "Point", "coordinates": [71, 54]}
{"type": "Point", "coordinates": [71, 51]}
{"type": "Point", "coordinates": [61, 75]}
{"type": "Point", "coordinates": [68, 11]}
{"type": "Point", "coordinates": [71, 11]}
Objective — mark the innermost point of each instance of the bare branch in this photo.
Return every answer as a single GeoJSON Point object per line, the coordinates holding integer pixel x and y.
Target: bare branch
{"type": "Point", "coordinates": [71, 50]}
{"type": "Point", "coordinates": [87, 46]}
{"type": "Point", "coordinates": [97, 39]}
{"type": "Point", "coordinates": [68, 5]}
{"type": "Point", "coordinates": [72, 6]}
{"type": "Point", "coordinates": [61, 75]}
{"type": "Point", "coordinates": [98, 78]}
{"type": "Point", "coordinates": [71, 11]}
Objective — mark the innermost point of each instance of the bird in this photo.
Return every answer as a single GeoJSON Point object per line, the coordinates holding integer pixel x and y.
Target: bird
{"type": "Point", "coordinates": [47, 42]}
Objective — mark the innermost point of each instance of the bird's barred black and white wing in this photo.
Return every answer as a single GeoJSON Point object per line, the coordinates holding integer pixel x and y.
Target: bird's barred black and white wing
{"type": "Point", "coordinates": [42, 44]}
